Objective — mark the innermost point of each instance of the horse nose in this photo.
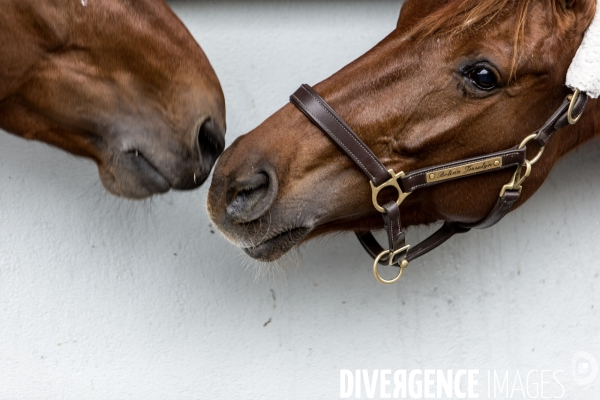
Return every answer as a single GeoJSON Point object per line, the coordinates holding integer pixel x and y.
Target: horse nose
{"type": "Point", "coordinates": [251, 195]}
{"type": "Point", "coordinates": [211, 142]}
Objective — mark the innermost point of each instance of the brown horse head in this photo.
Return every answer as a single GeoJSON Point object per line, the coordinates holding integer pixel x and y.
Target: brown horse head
{"type": "Point", "coordinates": [456, 79]}
{"type": "Point", "coordinates": [121, 82]}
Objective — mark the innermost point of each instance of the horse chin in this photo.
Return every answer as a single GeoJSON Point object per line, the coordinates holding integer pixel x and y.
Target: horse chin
{"type": "Point", "coordinates": [133, 178]}
{"type": "Point", "coordinates": [134, 175]}
{"type": "Point", "coordinates": [277, 245]}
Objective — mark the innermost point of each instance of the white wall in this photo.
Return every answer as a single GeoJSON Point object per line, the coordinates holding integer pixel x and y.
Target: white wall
{"type": "Point", "coordinates": [107, 299]}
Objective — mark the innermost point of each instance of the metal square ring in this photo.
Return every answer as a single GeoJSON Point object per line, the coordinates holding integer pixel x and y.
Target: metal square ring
{"type": "Point", "coordinates": [392, 182]}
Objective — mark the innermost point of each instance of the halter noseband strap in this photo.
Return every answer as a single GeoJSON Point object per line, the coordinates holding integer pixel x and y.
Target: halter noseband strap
{"type": "Point", "coordinates": [398, 252]}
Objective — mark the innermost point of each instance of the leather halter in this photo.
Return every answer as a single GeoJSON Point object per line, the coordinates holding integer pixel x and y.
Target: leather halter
{"type": "Point", "coordinates": [398, 252]}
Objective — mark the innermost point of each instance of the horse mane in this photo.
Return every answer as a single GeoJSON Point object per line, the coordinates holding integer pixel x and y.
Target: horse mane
{"type": "Point", "coordinates": [459, 16]}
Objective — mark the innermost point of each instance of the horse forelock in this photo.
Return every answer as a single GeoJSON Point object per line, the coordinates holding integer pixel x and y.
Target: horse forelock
{"type": "Point", "coordinates": [457, 17]}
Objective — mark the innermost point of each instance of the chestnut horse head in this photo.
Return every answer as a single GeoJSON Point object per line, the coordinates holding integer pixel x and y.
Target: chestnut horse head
{"type": "Point", "coordinates": [121, 82]}
{"type": "Point", "coordinates": [455, 79]}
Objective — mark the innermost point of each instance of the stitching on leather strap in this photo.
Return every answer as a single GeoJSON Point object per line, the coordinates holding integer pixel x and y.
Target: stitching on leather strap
{"type": "Point", "coordinates": [351, 134]}
{"type": "Point", "coordinates": [391, 236]}
{"type": "Point", "coordinates": [337, 140]}
{"type": "Point", "coordinates": [498, 206]}
{"type": "Point", "coordinates": [505, 211]}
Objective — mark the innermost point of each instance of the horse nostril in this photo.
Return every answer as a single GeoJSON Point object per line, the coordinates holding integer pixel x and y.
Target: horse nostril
{"type": "Point", "coordinates": [211, 143]}
{"type": "Point", "coordinates": [251, 197]}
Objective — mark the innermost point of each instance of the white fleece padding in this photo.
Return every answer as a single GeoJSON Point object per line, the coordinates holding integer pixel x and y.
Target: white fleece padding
{"type": "Point", "coordinates": [584, 72]}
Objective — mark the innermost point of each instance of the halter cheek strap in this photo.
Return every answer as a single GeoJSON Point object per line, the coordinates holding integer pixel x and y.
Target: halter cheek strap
{"type": "Point", "coordinates": [398, 252]}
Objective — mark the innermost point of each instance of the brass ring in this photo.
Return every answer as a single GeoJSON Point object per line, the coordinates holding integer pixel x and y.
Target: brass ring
{"type": "Point", "coordinates": [540, 152]}
{"type": "Point", "coordinates": [574, 98]}
{"type": "Point", "coordinates": [403, 265]}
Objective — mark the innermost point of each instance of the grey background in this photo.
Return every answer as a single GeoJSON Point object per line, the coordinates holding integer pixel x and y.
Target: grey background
{"type": "Point", "coordinates": [103, 298]}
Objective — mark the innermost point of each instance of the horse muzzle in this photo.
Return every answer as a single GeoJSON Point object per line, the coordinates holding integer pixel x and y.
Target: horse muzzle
{"type": "Point", "coordinates": [243, 205]}
{"type": "Point", "coordinates": [151, 167]}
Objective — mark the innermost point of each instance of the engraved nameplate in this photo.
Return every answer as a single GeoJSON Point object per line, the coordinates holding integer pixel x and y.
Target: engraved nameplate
{"type": "Point", "coordinates": [465, 169]}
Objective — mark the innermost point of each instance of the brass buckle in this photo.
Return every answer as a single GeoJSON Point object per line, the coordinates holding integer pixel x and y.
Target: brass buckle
{"type": "Point", "coordinates": [392, 182]}
{"type": "Point", "coordinates": [402, 264]}
{"type": "Point", "coordinates": [517, 179]}
{"type": "Point", "coordinates": [573, 97]}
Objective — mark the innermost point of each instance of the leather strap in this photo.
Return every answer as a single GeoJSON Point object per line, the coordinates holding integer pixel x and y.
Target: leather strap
{"type": "Point", "coordinates": [324, 117]}
{"type": "Point", "coordinates": [373, 248]}
{"type": "Point", "coordinates": [418, 178]}
{"type": "Point", "coordinates": [559, 119]}
{"type": "Point", "coordinates": [501, 208]}
{"type": "Point", "coordinates": [503, 205]}
{"type": "Point", "coordinates": [396, 236]}
{"type": "Point", "coordinates": [319, 112]}
{"type": "Point", "coordinates": [449, 229]}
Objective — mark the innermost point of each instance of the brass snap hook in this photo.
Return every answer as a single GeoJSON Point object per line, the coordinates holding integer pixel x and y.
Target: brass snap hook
{"type": "Point", "coordinates": [402, 264]}
{"type": "Point", "coordinates": [517, 179]}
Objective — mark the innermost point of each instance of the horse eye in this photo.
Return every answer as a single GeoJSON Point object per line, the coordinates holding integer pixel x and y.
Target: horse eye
{"type": "Point", "coordinates": [483, 78]}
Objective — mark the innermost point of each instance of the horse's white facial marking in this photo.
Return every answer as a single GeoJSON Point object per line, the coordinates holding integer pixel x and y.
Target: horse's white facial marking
{"type": "Point", "coordinates": [84, 3]}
